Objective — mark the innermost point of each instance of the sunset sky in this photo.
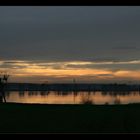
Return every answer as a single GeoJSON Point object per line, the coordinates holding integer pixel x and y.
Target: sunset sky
{"type": "Point", "coordinates": [94, 44]}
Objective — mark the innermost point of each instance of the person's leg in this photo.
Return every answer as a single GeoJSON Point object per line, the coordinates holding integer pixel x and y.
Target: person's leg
{"type": "Point", "coordinates": [4, 97]}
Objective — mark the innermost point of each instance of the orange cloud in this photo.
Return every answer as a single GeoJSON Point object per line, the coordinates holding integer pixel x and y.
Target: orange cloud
{"type": "Point", "coordinates": [49, 70]}
{"type": "Point", "coordinates": [130, 74]}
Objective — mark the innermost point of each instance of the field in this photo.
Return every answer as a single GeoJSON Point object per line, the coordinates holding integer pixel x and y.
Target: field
{"type": "Point", "coordinates": [35, 118]}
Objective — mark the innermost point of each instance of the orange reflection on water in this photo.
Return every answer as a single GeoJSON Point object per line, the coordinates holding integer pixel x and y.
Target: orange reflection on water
{"type": "Point", "coordinates": [71, 98]}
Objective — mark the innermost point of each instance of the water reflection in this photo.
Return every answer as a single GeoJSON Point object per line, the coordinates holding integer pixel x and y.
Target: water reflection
{"type": "Point", "coordinates": [117, 100]}
{"type": "Point", "coordinates": [87, 98]}
{"type": "Point", "coordinates": [44, 93]}
{"type": "Point", "coordinates": [7, 94]}
{"type": "Point", "coordinates": [75, 97]}
{"type": "Point", "coordinates": [21, 93]}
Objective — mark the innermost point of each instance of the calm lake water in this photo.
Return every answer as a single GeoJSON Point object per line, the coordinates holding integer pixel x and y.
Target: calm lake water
{"type": "Point", "coordinates": [73, 97]}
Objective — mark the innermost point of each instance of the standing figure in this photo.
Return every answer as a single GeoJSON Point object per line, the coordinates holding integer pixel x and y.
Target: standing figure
{"type": "Point", "coordinates": [2, 92]}
{"type": "Point", "coordinates": [3, 82]}
{"type": "Point", "coordinates": [1, 100]}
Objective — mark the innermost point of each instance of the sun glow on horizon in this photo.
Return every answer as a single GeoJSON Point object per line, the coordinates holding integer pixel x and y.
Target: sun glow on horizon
{"type": "Point", "coordinates": [66, 70]}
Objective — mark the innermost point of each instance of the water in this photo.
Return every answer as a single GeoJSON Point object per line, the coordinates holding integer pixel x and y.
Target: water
{"type": "Point", "coordinates": [73, 97]}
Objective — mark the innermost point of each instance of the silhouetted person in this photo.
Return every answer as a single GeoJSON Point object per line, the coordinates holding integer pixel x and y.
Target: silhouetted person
{"type": "Point", "coordinates": [2, 91]}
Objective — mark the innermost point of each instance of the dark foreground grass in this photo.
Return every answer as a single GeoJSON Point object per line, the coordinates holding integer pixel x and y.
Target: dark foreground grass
{"type": "Point", "coordinates": [33, 118]}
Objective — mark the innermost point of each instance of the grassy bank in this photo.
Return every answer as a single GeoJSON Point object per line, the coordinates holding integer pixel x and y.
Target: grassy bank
{"type": "Point", "coordinates": [25, 118]}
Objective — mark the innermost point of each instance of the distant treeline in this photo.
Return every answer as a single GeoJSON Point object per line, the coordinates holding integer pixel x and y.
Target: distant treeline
{"type": "Point", "coordinates": [71, 87]}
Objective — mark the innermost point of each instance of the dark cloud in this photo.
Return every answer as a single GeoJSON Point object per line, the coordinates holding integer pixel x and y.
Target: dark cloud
{"type": "Point", "coordinates": [69, 33]}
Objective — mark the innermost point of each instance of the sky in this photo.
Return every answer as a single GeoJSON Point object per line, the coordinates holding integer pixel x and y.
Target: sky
{"type": "Point", "coordinates": [56, 44]}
